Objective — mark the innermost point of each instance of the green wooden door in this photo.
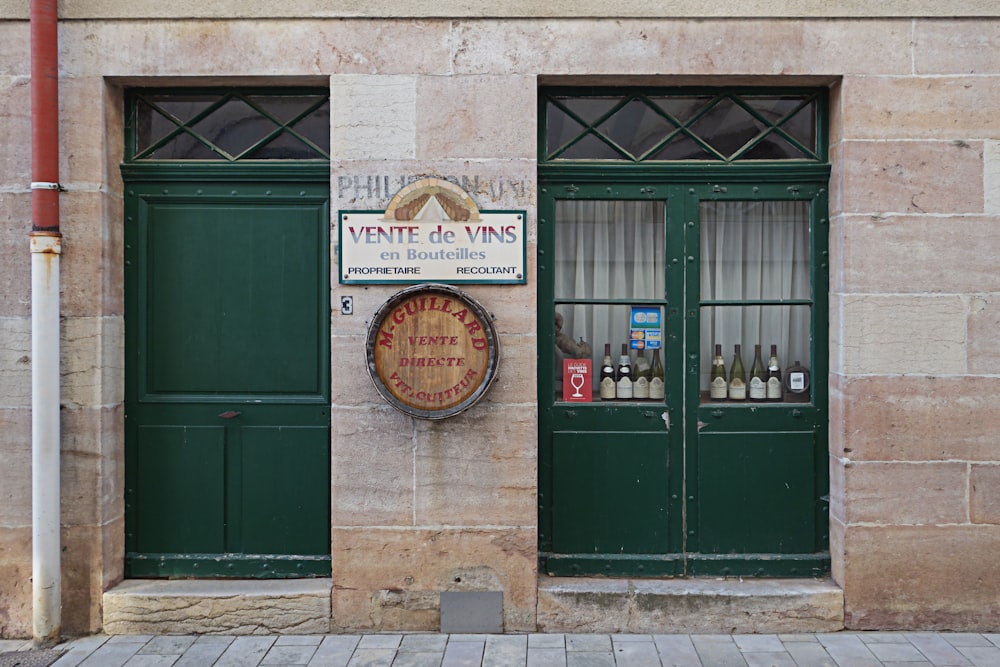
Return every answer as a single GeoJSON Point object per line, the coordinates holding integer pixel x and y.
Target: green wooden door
{"type": "Point", "coordinates": [611, 485]}
{"type": "Point", "coordinates": [706, 206]}
{"type": "Point", "coordinates": [683, 485]}
{"type": "Point", "coordinates": [227, 379]}
{"type": "Point", "coordinates": [756, 473]}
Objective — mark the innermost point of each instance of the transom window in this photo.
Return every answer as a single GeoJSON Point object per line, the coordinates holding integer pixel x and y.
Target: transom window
{"type": "Point", "coordinates": [229, 125]}
{"type": "Point", "coordinates": [732, 126]}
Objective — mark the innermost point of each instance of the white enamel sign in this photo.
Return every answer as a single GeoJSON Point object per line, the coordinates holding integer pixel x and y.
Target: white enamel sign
{"type": "Point", "coordinates": [490, 249]}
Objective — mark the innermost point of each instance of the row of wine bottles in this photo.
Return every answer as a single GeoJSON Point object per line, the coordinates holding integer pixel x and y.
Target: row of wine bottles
{"type": "Point", "coordinates": [628, 381]}
{"type": "Point", "coordinates": [765, 383]}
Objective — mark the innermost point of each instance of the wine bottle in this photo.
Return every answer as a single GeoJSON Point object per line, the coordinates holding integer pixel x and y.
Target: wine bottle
{"type": "Point", "coordinates": [774, 388]}
{"type": "Point", "coordinates": [623, 382]}
{"type": "Point", "coordinates": [656, 388]}
{"type": "Point", "coordinates": [718, 388]}
{"type": "Point", "coordinates": [640, 386]}
{"type": "Point", "coordinates": [758, 377]}
{"type": "Point", "coordinates": [797, 379]}
{"type": "Point", "coordinates": [737, 377]}
{"type": "Point", "coordinates": [607, 386]}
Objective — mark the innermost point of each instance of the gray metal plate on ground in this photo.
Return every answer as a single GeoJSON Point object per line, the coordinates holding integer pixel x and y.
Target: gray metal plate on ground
{"type": "Point", "coordinates": [472, 612]}
{"type": "Point", "coordinates": [39, 658]}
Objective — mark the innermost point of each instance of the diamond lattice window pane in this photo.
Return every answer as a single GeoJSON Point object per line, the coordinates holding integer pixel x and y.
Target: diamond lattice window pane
{"type": "Point", "coordinates": [727, 127]}
{"type": "Point", "coordinates": [591, 148]}
{"type": "Point", "coordinates": [772, 108]}
{"type": "Point", "coordinates": [316, 127]}
{"type": "Point", "coordinates": [560, 129]}
{"type": "Point", "coordinates": [774, 147]}
{"type": "Point", "coordinates": [285, 147]}
{"type": "Point", "coordinates": [150, 126]}
{"type": "Point", "coordinates": [161, 114]}
{"type": "Point", "coordinates": [235, 127]}
{"type": "Point", "coordinates": [636, 128]}
{"type": "Point", "coordinates": [683, 147]}
{"type": "Point", "coordinates": [801, 125]}
{"type": "Point", "coordinates": [682, 108]}
{"type": "Point", "coordinates": [184, 147]}
{"type": "Point", "coordinates": [590, 109]}
{"type": "Point", "coordinates": [284, 107]}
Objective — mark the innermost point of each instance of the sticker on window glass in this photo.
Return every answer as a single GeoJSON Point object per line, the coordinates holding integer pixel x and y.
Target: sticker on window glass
{"type": "Point", "coordinates": [645, 328]}
{"type": "Point", "coordinates": [577, 380]}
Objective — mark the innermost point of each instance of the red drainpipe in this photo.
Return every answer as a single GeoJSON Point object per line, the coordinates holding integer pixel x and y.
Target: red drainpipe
{"type": "Point", "coordinates": [46, 243]}
{"type": "Point", "coordinates": [44, 116]}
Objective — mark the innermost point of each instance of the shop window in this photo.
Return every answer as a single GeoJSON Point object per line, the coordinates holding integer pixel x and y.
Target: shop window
{"type": "Point", "coordinates": [755, 290]}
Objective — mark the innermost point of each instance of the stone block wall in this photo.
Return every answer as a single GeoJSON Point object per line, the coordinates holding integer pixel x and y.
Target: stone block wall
{"type": "Point", "coordinates": [915, 450]}
{"type": "Point", "coordinates": [421, 507]}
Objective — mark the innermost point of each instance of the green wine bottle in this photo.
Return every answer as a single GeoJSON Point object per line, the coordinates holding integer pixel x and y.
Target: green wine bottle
{"type": "Point", "coordinates": [758, 377]}
{"type": "Point", "coordinates": [656, 388]}
{"type": "Point", "coordinates": [737, 377]}
{"type": "Point", "coordinates": [641, 369]}
{"type": "Point", "coordinates": [717, 390]}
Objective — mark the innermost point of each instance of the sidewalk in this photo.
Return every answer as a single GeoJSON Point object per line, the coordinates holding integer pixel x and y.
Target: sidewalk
{"type": "Point", "coordinates": [845, 649]}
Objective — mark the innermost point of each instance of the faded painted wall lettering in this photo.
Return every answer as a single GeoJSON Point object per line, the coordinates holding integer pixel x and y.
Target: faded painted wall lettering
{"type": "Point", "coordinates": [383, 187]}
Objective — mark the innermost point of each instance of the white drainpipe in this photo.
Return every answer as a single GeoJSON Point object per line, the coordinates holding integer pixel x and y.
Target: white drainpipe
{"type": "Point", "coordinates": [46, 587]}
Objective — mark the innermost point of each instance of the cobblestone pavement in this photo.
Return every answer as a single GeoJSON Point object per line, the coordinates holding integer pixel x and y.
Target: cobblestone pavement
{"type": "Point", "coordinates": [842, 649]}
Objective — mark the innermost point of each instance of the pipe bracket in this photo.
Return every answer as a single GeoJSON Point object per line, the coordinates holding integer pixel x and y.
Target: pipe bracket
{"type": "Point", "coordinates": [46, 242]}
{"type": "Point", "coordinates": [47, 185]}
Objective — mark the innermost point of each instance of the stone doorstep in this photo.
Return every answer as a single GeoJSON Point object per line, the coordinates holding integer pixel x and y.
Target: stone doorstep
{"type": "Point", "coordinates": [214, 606]}
{"type": "Point", "coordinates": [689, 606]}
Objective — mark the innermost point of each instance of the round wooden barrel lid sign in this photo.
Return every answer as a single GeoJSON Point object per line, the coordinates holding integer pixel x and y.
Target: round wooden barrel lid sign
{"type": "Point", "coordinates": [432, 351]}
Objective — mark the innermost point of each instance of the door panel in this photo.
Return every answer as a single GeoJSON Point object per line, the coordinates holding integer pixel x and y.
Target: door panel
{"type": "Point", "coordinates": [183, 464]}
{"type": "Point", "coordinates": [227, 379]}
{"type": "Point", "coordinates": [611, 493]}
{"type": "Point", "coordinates": [278, 514]}
{"type": "Point", "coordinates": [756, 493]}
{"type": "Point", "coordinates": [229, 288]}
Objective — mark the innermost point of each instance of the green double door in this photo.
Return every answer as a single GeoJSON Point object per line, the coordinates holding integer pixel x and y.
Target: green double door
{"type": "Point", "coordinates": [227, 378]}
{"type": "Point", "coordinates": [682, 485]}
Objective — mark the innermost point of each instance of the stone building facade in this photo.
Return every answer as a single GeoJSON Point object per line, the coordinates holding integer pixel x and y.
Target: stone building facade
{"type": "Point", "coordinates": [424, 507]}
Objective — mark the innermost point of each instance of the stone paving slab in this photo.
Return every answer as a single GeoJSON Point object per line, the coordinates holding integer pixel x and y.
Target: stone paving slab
{"type": "Point", "coordinates": [836, 649]}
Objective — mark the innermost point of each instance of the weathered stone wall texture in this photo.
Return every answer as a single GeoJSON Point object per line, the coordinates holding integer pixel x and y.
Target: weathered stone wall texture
{"type": "Point", "coordinates": [914, 445]}
{"type": "Point", "coordinates": [422, 507]}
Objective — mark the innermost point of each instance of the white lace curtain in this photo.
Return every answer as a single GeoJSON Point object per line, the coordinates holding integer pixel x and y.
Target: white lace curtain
{"type": "Point", "coordinates": [754, 250]}
{"type": "Point", "coordinates": [606, 250]}
{"type": "Point", "coordinates": [750, 250]}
